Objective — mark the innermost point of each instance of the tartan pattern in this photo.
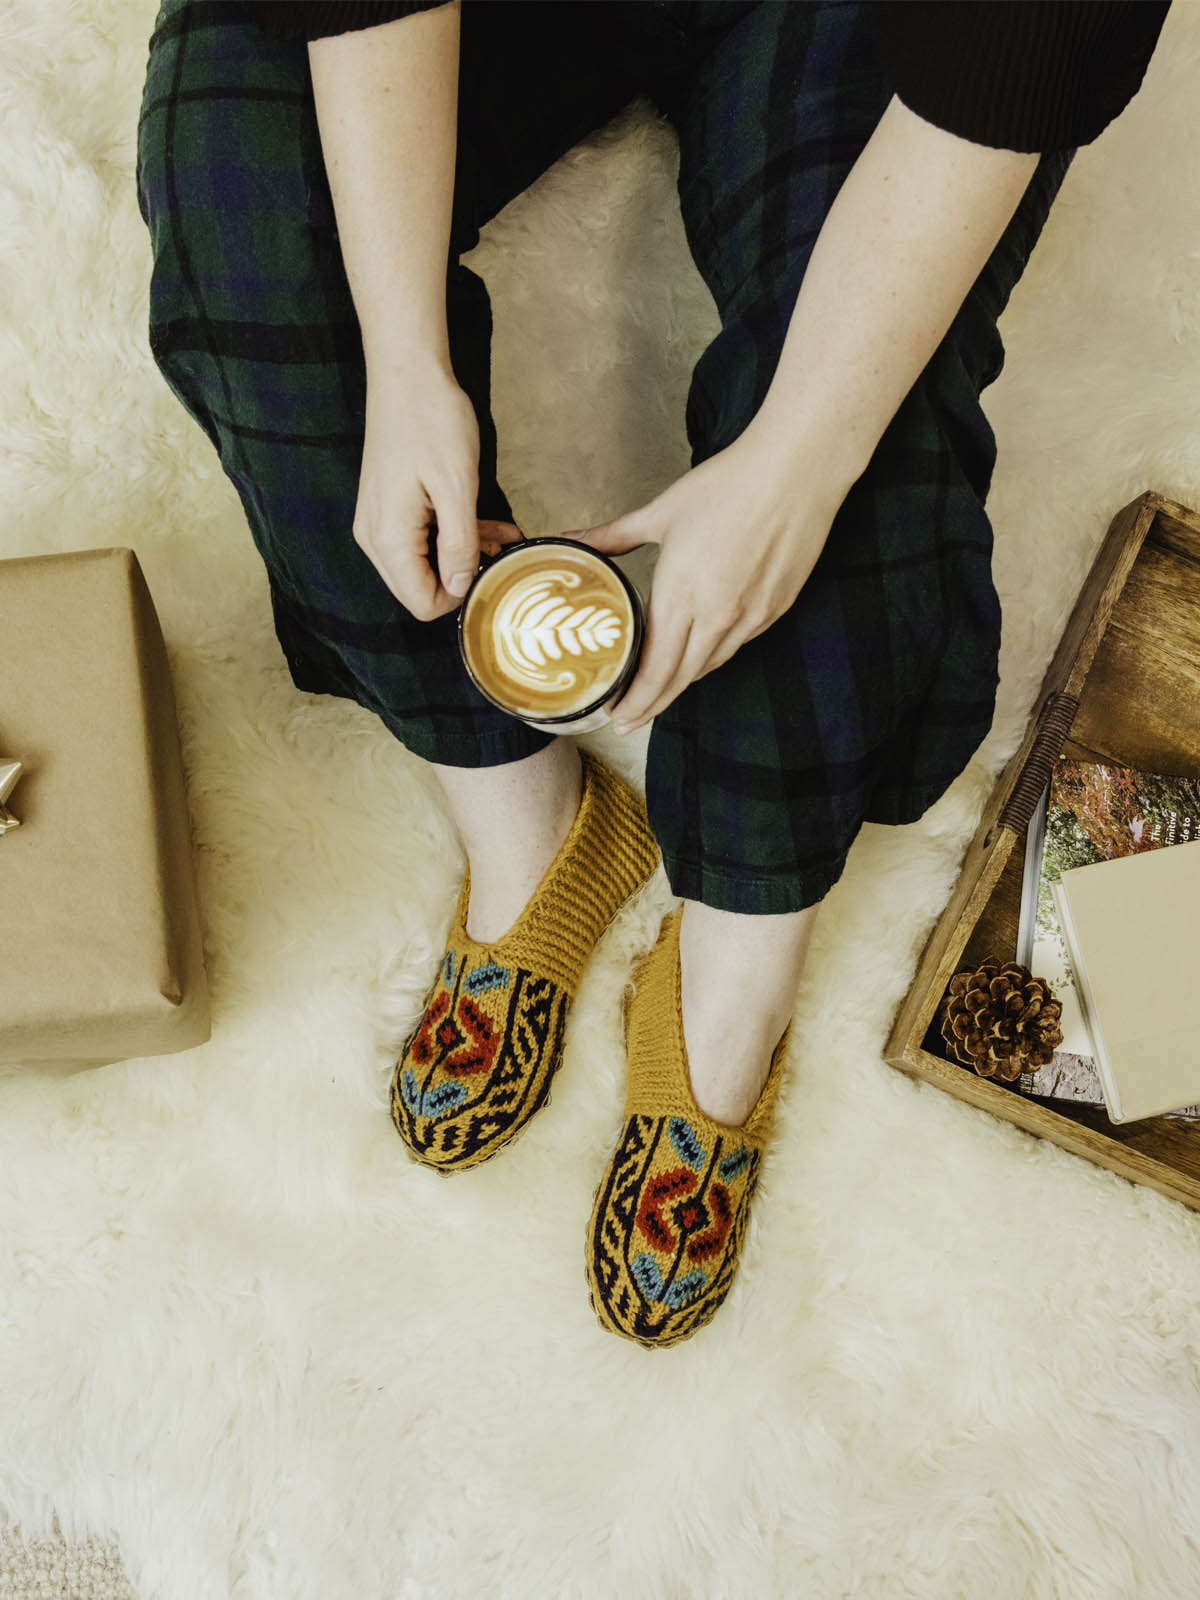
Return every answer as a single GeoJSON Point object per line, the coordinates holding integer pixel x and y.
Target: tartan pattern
{"type": "Point", "coordinates": [253, 327]}
{"type": "Point", "coordinates": [868, 698]}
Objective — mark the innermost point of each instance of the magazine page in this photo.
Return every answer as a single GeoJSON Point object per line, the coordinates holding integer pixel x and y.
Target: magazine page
{"type": "Point", "coordinates": [1096, 811]}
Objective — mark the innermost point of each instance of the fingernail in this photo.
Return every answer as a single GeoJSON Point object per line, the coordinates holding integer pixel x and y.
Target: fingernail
{"type": "Point", "coordinates": [459, 583]}
{"type": "Point", "coordinates": [621, 727]}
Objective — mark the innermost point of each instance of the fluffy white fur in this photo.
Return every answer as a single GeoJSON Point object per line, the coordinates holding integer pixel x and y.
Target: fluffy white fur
{"type": "Point", "coordinates": [250, 1343]}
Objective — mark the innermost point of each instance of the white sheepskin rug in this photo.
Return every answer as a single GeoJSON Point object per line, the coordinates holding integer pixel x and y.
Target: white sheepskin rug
{"type": "Point", "coordinates": [249, 1350]}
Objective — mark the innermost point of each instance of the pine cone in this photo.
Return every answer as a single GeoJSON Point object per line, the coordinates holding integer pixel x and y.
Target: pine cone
{"type": "Point", "coordinates": [1000, 1020]}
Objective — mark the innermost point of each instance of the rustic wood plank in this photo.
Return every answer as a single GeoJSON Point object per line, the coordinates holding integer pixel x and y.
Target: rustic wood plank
{"type": "Point", "coordinates": [1100, 590]}
{"type": "Point", "coordinates": [1142, 695]}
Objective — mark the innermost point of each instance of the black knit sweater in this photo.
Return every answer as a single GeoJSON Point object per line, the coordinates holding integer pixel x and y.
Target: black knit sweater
{"type": "Point", "coordinates": [1017, 74]}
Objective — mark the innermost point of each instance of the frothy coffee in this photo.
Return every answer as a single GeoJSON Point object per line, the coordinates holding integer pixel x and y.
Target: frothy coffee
{"type": "Point", "coordinates": [548, 629]}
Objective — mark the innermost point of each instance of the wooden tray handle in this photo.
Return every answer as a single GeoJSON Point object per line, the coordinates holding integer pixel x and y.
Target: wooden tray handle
{"type": "Point", "coordinates": [1054, 723]}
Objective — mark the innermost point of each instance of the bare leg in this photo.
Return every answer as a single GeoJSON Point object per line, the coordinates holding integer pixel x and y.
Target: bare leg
{"type": "Point", "coordinates": [512, 820]}
{"type": "Point", "coordinates": [739, 976]}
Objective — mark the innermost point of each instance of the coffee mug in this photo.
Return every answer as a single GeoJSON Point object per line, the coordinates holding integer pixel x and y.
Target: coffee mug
{"type": "Point", "coordinates": [551, 632]}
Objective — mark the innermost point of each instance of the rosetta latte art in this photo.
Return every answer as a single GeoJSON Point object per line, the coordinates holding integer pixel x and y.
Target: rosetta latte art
{"type": "Point", "coordinates": [549, 631]}
{"type": "Point", "coordinates": [545, 640]}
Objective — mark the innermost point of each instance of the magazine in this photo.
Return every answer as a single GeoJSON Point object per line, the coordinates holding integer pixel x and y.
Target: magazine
{"type": "Point", "coordinates": [1089, 811]}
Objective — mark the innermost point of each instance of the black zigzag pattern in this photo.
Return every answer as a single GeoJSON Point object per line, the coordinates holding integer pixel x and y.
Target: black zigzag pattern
{"type": "Point", "coordinates": [520, 1084]}
{"type": "Point", "coordinates": [616, 1206]}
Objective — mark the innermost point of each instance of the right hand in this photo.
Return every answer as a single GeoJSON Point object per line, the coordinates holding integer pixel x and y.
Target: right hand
{"type": "Point", "coordinates": [421, 457]}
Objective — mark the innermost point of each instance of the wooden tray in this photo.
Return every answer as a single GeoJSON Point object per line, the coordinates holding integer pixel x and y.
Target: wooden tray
{"type": "Point", "coordinates": [1123, 687]}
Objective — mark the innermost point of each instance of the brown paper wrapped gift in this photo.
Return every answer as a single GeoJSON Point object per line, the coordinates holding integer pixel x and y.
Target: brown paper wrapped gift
{"type": "Point", "coordinates": [101, 956]}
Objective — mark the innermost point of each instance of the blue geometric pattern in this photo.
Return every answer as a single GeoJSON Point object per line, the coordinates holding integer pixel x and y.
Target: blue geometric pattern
{"type": "Point", "coordinates": [448, 968]}
{"type": "Point", "coordinates": [484, 978]}
{"type": "Point", "coordinates": [437, 1102]}
{"type": "Point", "coordinates": [648, 1277]}
{"type": "Point", "coordinates": [685, 1289]}
{"type": "Point", "coordinates": [683, 1137]}
{"type": "Point", "coordinates": [440, 1101]}
{"type": "Point", "coordinates": [731, 1165]}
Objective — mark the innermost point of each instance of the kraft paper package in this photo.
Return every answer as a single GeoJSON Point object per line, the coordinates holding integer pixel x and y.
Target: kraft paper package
{"type": "Point", "coordinates": [101, 957]}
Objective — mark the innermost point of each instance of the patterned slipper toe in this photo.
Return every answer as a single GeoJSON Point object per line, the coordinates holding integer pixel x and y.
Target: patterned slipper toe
{"type": "Point", "coordinates": [671, 1210]}
{"type": "Point", "coordinates": [482, 1058]}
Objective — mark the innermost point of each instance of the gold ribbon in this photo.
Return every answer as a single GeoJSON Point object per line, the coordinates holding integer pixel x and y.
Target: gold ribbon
{"type": "Point", "coordinates": [10, 771]}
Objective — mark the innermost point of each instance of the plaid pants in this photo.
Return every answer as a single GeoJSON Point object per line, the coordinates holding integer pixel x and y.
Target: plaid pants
{"type": "Point", "coordinates": [864, 701]}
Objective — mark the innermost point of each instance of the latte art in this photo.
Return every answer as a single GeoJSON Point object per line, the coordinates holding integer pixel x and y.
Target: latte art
{"type": "Point", "coordinates": [548, 629]}
{"type": "Point", "coordinates": [536, 624]}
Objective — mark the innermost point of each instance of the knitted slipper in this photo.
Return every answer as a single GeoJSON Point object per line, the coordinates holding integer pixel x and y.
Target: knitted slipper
{"type": "Point", "coordinates": [670, 1212]}
{"type": "Point", "coordinates": [481, 1059]}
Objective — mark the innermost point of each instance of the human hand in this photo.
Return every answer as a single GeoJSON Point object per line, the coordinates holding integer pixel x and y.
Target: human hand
{"type": "Point", "coordinates": [420, 463]}
{"type": "Point", "coordinates": [739, 535]}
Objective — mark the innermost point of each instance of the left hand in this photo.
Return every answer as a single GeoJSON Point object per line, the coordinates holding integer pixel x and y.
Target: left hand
{"type": "Point", "coordinates": [739, 535]}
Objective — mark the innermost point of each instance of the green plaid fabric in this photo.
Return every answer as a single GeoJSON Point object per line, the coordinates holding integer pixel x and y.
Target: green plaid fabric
{"type": "Point", "coordinates": [868, 698]}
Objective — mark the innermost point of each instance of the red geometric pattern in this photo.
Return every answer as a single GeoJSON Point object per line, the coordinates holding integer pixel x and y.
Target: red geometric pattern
{"type": "Point", "coordinates": [466, 1042]}
{"type": "Point", "coordinates": [666, 1186]}
{"type": "Point", "coordinates": [706, 1245]}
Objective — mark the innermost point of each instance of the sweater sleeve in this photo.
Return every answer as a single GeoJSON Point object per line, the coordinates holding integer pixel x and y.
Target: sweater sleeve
{"type": "Point", "coordinates": [318, 19]}
{"type": "Point", "coordinates": [1029, 75]}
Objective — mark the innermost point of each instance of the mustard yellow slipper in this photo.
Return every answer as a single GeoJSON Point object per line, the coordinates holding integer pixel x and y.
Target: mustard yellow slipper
{"type": "Point", "coordinates": [481, 1060]}
{"type": "Point", "coordinates": [670, 1212]}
